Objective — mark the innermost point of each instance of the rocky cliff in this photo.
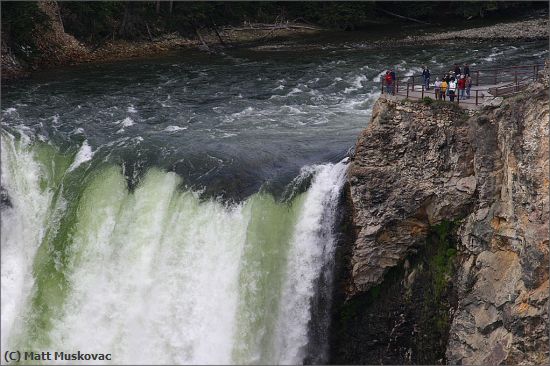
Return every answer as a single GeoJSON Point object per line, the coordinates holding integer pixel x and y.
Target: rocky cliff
{"type": "Point", "coordinates": [451, 225]}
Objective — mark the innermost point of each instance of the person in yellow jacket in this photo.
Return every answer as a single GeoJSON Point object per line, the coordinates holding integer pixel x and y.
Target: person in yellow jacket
{"type": "Point", "coordinates": [443, 90]}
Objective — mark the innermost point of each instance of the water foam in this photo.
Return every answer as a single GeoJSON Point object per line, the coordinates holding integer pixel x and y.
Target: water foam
{"type": "Point", "coordinates": [174, 129]}
{"type": "Point", "coordinates": [84, 154]}
{"type": "Point", "coordinates": [22, 230]}
{"type": "Point", "coordinates": [311, 251]}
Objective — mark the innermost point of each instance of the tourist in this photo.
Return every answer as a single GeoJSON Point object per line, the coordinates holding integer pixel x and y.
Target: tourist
{"type": "Point", "coordinates": [393, 79]}
{"type": "Point", "coordinates": [466, 70]}
{"type": "Point", "coordinates": [426, 77]}
{"type": "Point", "coordinates": [437, 88]}
{"type": "Point", "coordinates": [457, 70]}
{"type": "Point", "coordinates": [451, 90]}
{"type": "Point", "coordinates": [461, 87]}
{"type": "Point", "coordinates": [468, 86]}
{"type": "Point", "coordinates": [389, 83]}
{"type": "Point", "coordinates": [423, 75]}
{"type": "Point", "coordinates": [442, 93]}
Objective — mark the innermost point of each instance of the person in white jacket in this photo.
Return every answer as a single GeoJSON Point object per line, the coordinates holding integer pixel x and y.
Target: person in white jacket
{"type": "Point", "coordinates": [451, 90]}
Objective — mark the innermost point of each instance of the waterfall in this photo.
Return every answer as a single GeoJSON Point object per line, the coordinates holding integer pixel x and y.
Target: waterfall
{"type": "Point", "coordinates": [157, 275]}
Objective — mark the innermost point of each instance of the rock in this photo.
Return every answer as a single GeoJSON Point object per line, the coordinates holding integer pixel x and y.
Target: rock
{"type": "Point", "coordinates": [467, 184]}
{"type": "Point", "coordinates": [493, 102]}
{"type": "Point", "coordinates": [488, 170]}
{"type": "Point", "coordinates": [5, 201]}
{"type": "Point", "coordinates": [398, 193]}
{"type": "Point", "coordinates": [510, 246]}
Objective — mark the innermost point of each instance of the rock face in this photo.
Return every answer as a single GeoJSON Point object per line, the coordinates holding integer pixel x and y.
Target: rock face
{"type": "Point", "coordinates": [413, 167]}
{"type": "Point", "coordinates": [502, 315]}
{"type": "Point", "coordinates": [418, 166]}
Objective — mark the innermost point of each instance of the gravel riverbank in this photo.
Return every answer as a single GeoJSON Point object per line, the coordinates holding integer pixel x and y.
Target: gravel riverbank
{"type": "Point", "coordinates": [527, 29]}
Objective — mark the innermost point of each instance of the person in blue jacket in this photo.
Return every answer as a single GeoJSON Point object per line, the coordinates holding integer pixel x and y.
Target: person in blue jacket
{"type": "Point", "coordinates": [426, 77]}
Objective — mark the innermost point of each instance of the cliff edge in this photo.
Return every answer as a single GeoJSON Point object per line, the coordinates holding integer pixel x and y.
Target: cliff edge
{"type": "Point", "coordinates": [478, 186]}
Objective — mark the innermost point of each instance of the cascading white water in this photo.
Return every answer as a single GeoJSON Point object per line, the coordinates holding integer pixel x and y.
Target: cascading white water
{"type": "Point", "coordinates": [156, 275]}
{"type": "Point", "coordinates": [22, 228]}
{"type": "Point", "coordinates": [312, 247]}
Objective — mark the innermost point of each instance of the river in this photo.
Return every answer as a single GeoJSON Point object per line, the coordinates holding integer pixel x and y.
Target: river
{"type": "Point", "coordinates": [181, 209]}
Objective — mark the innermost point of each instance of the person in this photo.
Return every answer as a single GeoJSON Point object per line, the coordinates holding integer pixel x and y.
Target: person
{"type": "Point", "coordinates": [468, 86]}
{"type": "Point", "coordinates": [393, 78]}
{"type": "Point", "coordinates": [426, 77]}
{"type": "Point", "coordinates": [457, 70]}
{"type": "Point", "coordinates": [451, 90]}
{"type": "Point", "coordinates": [442, 93]}
{"type": "Point", "coordinates": [461, 87]}
{"type": "Point", "coordinates": [389, 86]}
{"type": "Point", "coordinates": [466, 70]}
{"type": "Point", "coordinates": [437, 88]}
{"type": "Point", "coordinates": [423, 75]}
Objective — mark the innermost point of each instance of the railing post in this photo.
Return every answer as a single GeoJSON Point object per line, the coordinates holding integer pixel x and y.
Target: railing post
{"type": "Point", "coordinates": [413, 84]}
{"type": "Point", "coordinates": [458, 96]}
{"type": "Point", "coordinates": [422, 92]}
{"type": "Point", "coordinates": [476, 97]}
{"type": "Point", "coordinates": [516, 80]}
{"type": "Point", "coordinates": [477, 78]}
{"type": "Point", "coordinates": [407, 90]}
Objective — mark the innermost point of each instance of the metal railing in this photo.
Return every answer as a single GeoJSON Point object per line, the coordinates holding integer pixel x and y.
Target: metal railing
{"type": "Point", "coordinates": [409, 91]}
{"type": "Point", "coordinates": [516, 78]}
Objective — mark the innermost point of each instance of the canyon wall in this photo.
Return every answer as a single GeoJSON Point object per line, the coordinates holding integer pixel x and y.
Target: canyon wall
{"type": "Point", "coordinates": [449, 212]}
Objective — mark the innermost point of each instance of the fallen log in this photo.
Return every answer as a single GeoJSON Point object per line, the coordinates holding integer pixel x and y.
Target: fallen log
{"type": "Point", "coordinates": [403, 17]}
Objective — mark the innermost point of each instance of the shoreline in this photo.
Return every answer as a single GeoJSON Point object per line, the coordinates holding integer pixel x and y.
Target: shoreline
{"type": "Point", "coordinates": [65, 50]}
{"type": "Point", "coordinates": [533, 29]}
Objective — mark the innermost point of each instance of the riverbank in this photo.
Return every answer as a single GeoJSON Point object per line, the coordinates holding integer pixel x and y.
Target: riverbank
{"type": "Point", "coordinates": [55, 47]}
{"type": "Point", "coordinates": [58, 48]}
{"type": "Point", "coordinates": [523, 30]}
{"type": "Point", "coordinates": [62, 49]}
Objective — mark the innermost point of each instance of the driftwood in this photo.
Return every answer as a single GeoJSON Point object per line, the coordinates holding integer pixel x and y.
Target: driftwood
{"type": "Point", "coordinates": [205, 45]}
{"type": "Point", "coordinates": [216, 30]}
{"type": "Point", "coordinates": [261, 26]}
{"type": "Point", "coordinates": [58, 11]}
{"type": "Point", "coordinates": [403, 17]}
{"type": "Point", "coordinates": [149, 32]}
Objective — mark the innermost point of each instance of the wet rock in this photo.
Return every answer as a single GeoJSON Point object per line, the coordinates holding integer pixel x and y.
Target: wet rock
{"type": "Point", "coordinates": [5, 201]}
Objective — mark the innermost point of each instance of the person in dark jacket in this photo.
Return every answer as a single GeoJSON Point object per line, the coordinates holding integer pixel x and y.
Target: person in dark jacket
{"type": "Point", "coordinates": [426, 77]}
{"type": "Point", "coordinates": [466, 70]}
{"type": "Point", "coordinates": [457, 70]}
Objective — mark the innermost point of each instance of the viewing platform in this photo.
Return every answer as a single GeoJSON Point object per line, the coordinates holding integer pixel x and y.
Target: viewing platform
{"type": "Point", "coordinates": [487, 84]}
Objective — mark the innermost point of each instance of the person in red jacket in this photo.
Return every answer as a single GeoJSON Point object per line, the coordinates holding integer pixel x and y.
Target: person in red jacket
{"type": "Point", "coordinates": [389, 83]}
{"type": "Point", "coordinates": [461, 86]}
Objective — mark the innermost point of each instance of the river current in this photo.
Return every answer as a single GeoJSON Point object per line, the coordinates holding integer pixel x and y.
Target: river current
{"type": "Point", "coordinates": [181, 209]}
